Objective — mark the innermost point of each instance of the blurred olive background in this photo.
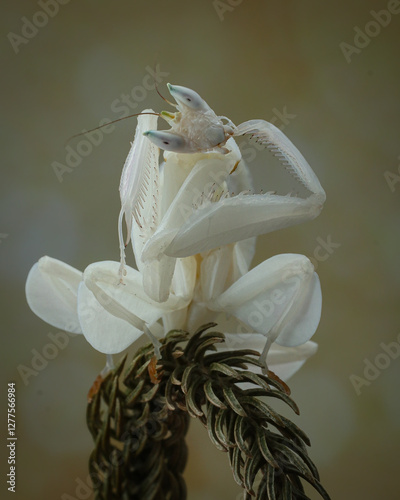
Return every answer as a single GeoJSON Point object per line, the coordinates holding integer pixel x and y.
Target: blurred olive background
{"type": "Point", "coordinates": [281, 61]}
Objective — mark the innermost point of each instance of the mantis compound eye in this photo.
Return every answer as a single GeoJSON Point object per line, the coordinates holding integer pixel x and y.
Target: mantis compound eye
{"type": "Point", "coordinates": [167, 141]}
{"type": "Point", "coordinates": [187, 97]}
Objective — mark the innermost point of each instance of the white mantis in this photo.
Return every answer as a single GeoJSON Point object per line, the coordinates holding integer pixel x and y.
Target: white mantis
{"type": "Point", "coordinates": [200, 144]}
{"type": "Point", "coordinates": [192, 223]}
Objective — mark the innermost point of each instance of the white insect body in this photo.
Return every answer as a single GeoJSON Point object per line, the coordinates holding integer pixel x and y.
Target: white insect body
{"type": "Point", "coordinates": [193, 241]}
{"type": "Point", "coordinates": [199, 142]}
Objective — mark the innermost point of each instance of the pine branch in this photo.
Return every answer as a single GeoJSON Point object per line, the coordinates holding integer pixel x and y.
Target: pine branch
{"type": "Point", "coordinates": [140, 450]}
{"type": "Point", "coordinates": [142, 416]}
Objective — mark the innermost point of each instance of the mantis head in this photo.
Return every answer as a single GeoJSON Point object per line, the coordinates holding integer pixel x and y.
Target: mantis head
{"type": "Point", "coordinates": [194, 127]}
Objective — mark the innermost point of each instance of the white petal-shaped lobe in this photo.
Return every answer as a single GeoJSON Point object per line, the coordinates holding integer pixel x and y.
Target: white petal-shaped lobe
{"type": "Point", "coordinates": [51, 292]}
{"type": "Point", "coordinates": [104, 331]}
{"type": "Point", "coordinates": [280, 298]}
{"type": "Point", "coordinates": [126, 302]}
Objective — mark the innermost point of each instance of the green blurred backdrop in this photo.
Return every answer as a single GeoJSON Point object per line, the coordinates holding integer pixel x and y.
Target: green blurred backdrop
{"type": "Point", "coordinates": [282, 61]}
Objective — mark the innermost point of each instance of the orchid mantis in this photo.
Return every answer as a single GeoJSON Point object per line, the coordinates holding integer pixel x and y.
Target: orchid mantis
{"type": "Point", "coordinates": [200, 152]}
{"type": "Point", "coordinates": [192, 222]}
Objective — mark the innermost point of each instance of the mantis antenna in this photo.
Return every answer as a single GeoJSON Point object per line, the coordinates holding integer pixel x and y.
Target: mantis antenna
{"type": "Point", "coordinates": [125, 117]}
{"type": "Point", "coordinates": [109, 123]}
